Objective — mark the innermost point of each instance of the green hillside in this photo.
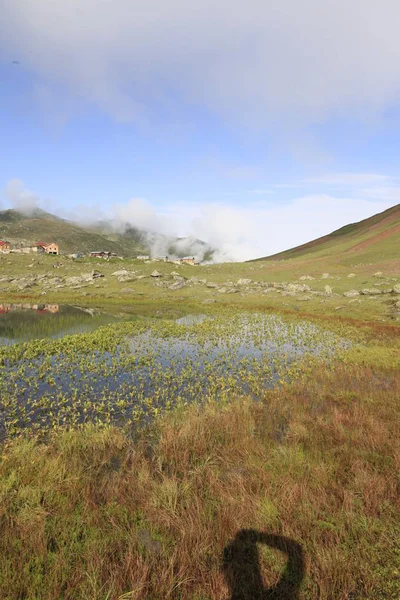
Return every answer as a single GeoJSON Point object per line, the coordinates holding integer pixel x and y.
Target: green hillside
{"type": "Point", "coordinates": [376, 239]}
{"type": "Point", "coordinates": [25, 230]}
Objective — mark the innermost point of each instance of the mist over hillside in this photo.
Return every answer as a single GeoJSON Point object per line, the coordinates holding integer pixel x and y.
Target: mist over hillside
{"type": "Point", "coordinates": [24, 229]}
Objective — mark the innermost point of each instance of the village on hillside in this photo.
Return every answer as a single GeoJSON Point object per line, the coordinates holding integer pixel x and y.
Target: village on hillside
{"type": "Point", "coordinates": [54, 249]}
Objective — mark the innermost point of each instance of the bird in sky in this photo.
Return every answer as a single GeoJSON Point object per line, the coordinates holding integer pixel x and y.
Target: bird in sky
{"type": "Point", "coordinates": [15, 62]}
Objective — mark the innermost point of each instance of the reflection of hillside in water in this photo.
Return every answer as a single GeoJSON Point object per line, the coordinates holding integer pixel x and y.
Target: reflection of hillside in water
{"type": "Point", "coordinates": [23, 322]}
{"type": "Point", "coordinates": [40, 308]}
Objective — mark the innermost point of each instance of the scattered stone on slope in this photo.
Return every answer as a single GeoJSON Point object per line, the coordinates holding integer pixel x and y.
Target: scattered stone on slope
{"type": "Point", "coordinates": [351, 294]}
{"type": "Point", "coordinates": [244, 281]}
{"type": "Point", "coordinates": [127, 278]}
{"type": "Point", "coordinates": [371, 292]}
{"type": "Point", "coordinates": [96, 274]}
{"type": "Point", "coordinates": [122, 273]}
{"type": "Point", "coordinates": [378, 274]}
{"type": "Point", "coordinates": [325, 276]}
{"type": "Point", "coordinates": [306, 278]}
{"type": "Point", "coordinates": [350, 275]}
{"type": "Point", "coordinates": [298, 287]}
{"type": "Point", "coordinates": [156, 273]}
{"type": "Point", "coordinates": [212, 285]}
{"type": "Point", "coordinates": [328, 290]}
{"type": "Point", "coordinates": [396, 289]}
{"type": "Point", "coordinates": [178, 285]}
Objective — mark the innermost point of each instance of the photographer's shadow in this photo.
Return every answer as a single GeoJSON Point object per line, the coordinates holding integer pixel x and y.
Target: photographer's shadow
{"type": "Point", "coordinates": [241, 564]}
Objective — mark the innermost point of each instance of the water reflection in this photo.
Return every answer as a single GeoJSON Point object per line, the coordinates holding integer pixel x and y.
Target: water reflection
{"type": "Point", "coordinates": [40, 308]}
{"type": "Point", "coordinates": [21, 322]}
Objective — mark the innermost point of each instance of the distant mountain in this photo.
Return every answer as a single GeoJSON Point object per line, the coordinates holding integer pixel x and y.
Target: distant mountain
{"type": "Point", "coordinates": [24, 230]}
{"type": "Point", "coordinates": [375, 238]}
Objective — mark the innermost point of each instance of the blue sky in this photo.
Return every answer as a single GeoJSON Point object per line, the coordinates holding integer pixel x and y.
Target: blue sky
{"type": "Point", "coordinates": [254, 126]}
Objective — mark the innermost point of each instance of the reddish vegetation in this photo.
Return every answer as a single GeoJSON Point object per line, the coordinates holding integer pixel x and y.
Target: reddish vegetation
{"type": "Point", "coordinates": [95, 515]}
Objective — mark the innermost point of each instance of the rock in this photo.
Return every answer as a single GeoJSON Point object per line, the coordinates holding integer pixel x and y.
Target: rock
{"type": "Point", "coordinates": [222, 290]}
{"type": "Point", "coordinates": [328, 290]}
{"type": "Point", "coordinates": [325, 276]}
{"type": "Point", "coordinates": [87, 276]}
{"type": "Point", "coordinates": [339, 307]}
{"type": "Point", "coordinates": [370, 292]}
{"type": "Point", "coordinates": [96, 274]}
{"type": "Point", "coordinates": [178, 285]}
{"type": "Point", "coordinates": [156, 273]}
{"type": "Point", "coordinates": [396, 289]}
{"type": "Point", "coordinates": [355, 300]}
{"type": "Point", "coordinates": [73, 280]}
{"type": "Point", "coordinates": [127, 278]}
{"type": "Point", "coordinates": [351, 294]}
{"type": "Point", "coordinates": [397, 305]}
{"type": "Point", "coordinates": [306, 278]}
{"type": "Point", "coordinates": [121, 273]}
{"type": "Point", "coordinates": [350, 275]}
{"type": "Point", "coordinates": [244, 281]}
{"type": "Point", "coordinates": [212, 285]}
{"type": "Point", "coordinates": [298, 287]}
{"type": "Point", "coordinates": [209, 301]}
{"type": "Point", "coordinates": [378, 274]}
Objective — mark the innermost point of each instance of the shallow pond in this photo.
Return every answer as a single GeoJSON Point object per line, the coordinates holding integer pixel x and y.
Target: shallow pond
{"type": "Point", "coordinates": [133, 371]}
{"type": "Point", "coordinates": [24, 322]}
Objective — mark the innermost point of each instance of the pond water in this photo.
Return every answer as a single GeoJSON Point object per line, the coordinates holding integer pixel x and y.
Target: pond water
{"type": "Point", "coordinates": [133, 371]}
{"type": "Point", "coordinates": [24, 322]}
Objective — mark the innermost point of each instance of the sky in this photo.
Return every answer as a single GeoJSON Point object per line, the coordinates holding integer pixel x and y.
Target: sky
{"type": "Point", "coordinates": [255, 126]}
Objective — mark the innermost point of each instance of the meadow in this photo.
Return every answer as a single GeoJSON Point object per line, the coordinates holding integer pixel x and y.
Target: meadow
{"type": "Point", "coordinates": [251, 452]}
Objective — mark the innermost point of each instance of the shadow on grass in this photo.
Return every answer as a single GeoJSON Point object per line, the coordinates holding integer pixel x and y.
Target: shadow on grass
{"type": "Point", "coordinates": [241, 565]}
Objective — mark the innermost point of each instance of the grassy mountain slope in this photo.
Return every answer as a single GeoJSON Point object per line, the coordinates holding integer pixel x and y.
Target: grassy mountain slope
{"type": "Point", "coordinates": [24, 230]}
{"type": "Point", "coordinates": [372, 240]}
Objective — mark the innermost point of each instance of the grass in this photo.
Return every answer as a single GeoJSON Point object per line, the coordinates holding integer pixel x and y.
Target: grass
{"type": "Point", "coordinates": [93, 514]}
{"type": "Point", "coordinates": [304, 482]}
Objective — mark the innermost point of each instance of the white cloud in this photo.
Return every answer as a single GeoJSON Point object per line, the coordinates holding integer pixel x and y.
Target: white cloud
{"type": "Point", "coordinates": [238, 232]}
{"type": "Point", "coordinates": [245, 233]}
{"type": "Point", "coordinates": [20, 197]}
{"type": "Point", "coordinates": [259, 63]}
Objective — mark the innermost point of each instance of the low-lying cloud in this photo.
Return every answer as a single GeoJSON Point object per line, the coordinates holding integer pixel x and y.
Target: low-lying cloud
{"type": "Point", "coordinates": [237, 233]}
{"type": "Point", "coordinates": [20, 197]}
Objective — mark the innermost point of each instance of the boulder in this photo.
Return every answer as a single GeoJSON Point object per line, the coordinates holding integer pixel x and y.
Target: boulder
{"type": "Point", "coordinates": [96, 274]}
{"type": "Point", "coordinates": [325, 276]}
{"type": "Point", "coordinates": [73, 280]}
{"type": "Point", "coordinates": [351, 294]}
{"type": "Point", "coordinates": [396, 289]}
{"type": "Point", "coordinates": [350, 275]}
{"type": "Point", "coordinates": [178, 285]}
{"type": "Point", "coordinates": [371, 292]}
{"type": "Point", "coordinates": [244, 281]}
{"type": "Point", "coordinates": [298, 287]}
{"type": "Point", "coordinates": [212, 285]}
{"type": "Point", "coordinates": [127, 278]}
{"type": "Point", "coordinates": [306, 278]}
{"type": "Point", "coordinates": [328, 290]}
{"type": "Point", "coordinates": [156, 273]}
{"type": "Point", "coordinates": [121, 273]}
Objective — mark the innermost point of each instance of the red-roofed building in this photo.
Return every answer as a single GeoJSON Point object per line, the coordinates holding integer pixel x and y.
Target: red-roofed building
{"type": "Point", "coordinates": [51, 248]}
{"type": "Point", "coordinates": [4, 246]}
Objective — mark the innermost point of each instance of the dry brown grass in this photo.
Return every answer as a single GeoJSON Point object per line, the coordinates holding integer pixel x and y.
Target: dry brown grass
{"type": "Point", "coordinates": [92, 514]}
